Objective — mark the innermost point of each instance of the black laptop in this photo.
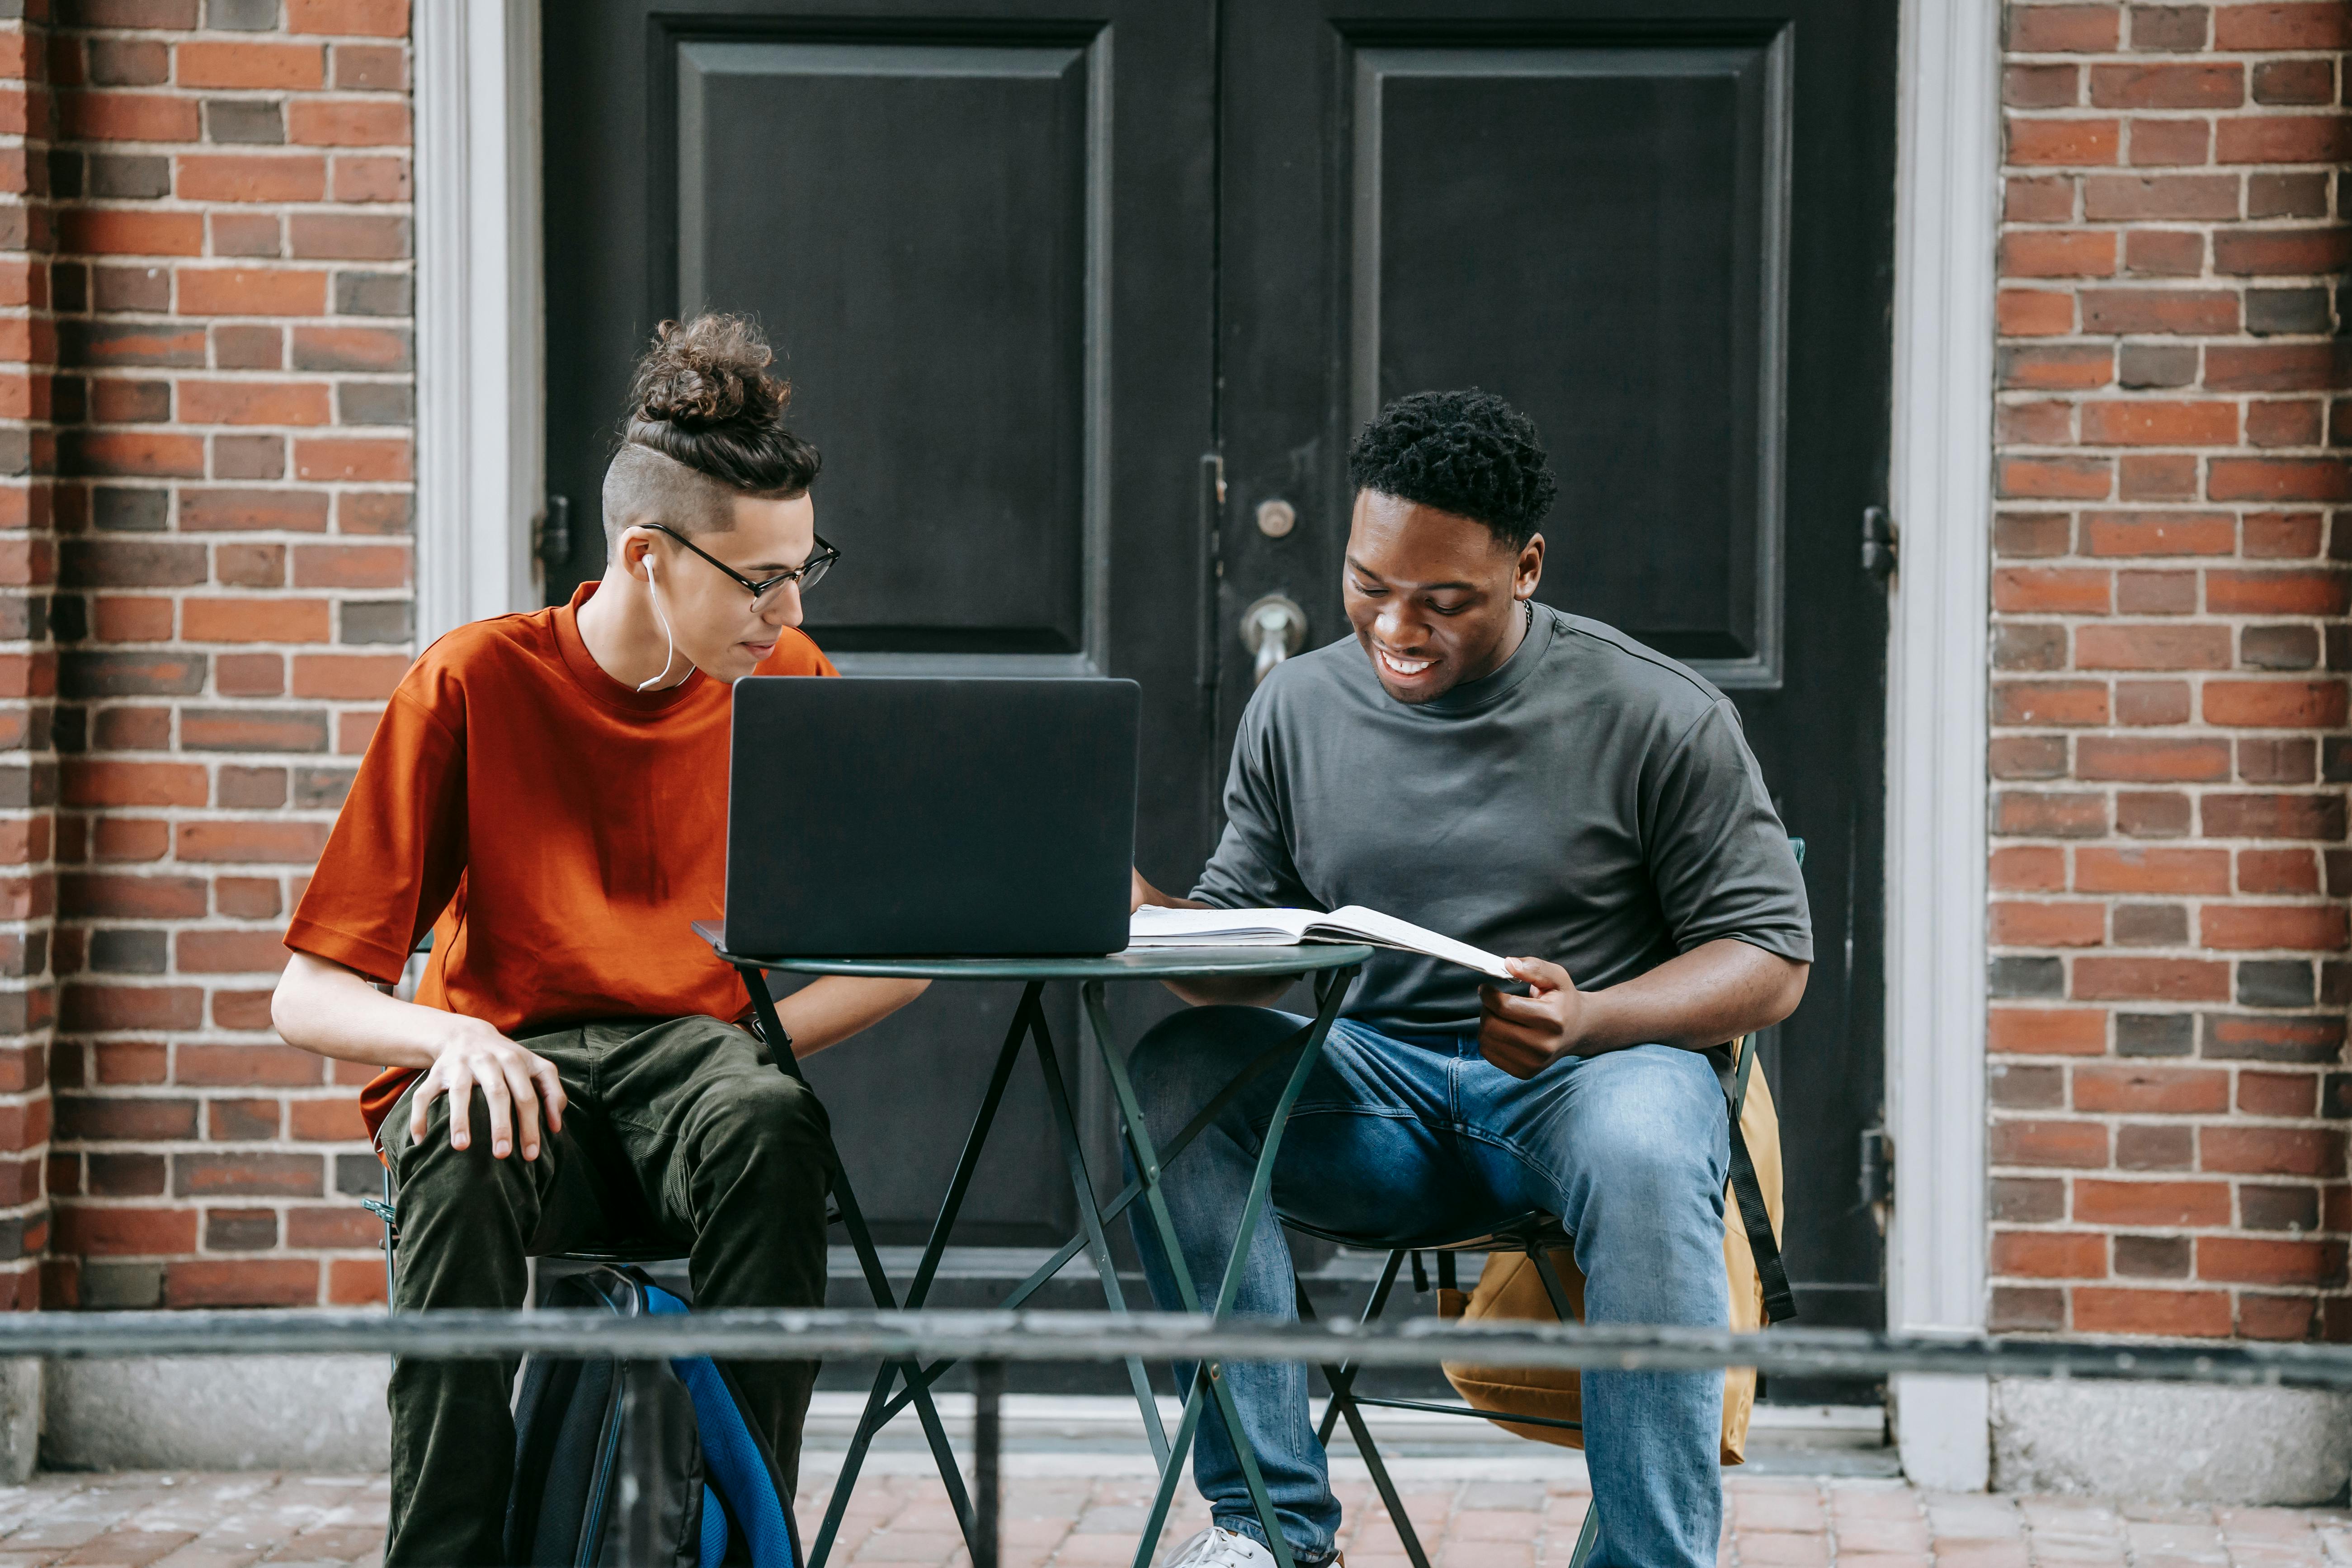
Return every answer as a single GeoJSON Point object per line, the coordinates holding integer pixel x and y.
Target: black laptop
{"type": "Point", "coordinates": [880, 816]}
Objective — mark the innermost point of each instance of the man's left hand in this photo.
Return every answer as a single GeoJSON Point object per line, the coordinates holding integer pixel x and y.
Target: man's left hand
{"type": "Point", "coordinates": [1525, 1034]}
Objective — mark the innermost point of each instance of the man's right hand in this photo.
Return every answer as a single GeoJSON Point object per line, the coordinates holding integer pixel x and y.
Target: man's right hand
{"type": "Point", "coordinates": [512, 1080]}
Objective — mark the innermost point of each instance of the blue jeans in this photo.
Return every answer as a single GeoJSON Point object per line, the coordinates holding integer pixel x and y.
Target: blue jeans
{"type": "Point", "coordinates": [1395, 1138]}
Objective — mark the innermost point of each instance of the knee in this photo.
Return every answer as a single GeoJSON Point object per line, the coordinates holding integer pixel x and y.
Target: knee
{"type": "Point", "coordinates": [1660, 1131]}
{"type": "Point", "coordinates": [432, 1168]}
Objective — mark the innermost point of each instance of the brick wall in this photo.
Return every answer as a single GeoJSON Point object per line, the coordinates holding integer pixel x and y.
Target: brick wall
{"type": "Point", "coordinates": [231, 417]}
{"type": "Point", "coordinates": [2169, 755]}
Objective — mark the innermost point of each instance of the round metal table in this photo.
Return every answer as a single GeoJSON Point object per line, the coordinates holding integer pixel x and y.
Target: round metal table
{"type": "Point", "coordinates": [1332, 967]}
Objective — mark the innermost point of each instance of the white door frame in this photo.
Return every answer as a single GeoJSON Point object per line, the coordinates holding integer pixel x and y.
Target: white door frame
{"type": "Point", "coordinates": [1946, 201]}
{"type": "Point", "coordinates": [480, 468]}
{"type": "Point", "coordinates": [481, 311]}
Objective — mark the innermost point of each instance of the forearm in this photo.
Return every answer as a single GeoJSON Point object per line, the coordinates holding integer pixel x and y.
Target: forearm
{"type": "Point", "coordinates": [337, 1011]}
{"type": "Point", "coordinates": [1715, 992]}
{"type": "Point", "coordinates": [826, 1011]}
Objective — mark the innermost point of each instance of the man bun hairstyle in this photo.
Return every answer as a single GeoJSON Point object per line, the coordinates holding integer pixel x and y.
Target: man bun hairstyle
{"type": "Point", "coordinates": [705, 424]}
{"type": "Point", "coordinates": [1468, 453]}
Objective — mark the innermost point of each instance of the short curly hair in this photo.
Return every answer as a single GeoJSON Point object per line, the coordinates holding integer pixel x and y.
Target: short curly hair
{"type": "Point", "coordinates": [1469, 453]}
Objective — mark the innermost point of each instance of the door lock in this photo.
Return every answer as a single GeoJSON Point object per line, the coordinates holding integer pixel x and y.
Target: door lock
{"type": "Point", "coordinates": [1275, 519]}
{"type": "Point", "coordinates": [1273, 629]}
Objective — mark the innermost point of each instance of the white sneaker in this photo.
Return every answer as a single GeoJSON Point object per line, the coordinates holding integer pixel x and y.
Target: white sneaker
{"type": "Point", "coordinates": [1214, 1548]}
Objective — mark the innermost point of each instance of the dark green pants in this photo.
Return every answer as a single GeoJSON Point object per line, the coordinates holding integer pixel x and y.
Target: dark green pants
{"type": "Point", "coordinates": [682, 1129]}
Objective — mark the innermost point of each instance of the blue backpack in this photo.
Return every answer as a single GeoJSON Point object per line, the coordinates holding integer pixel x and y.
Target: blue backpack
{"type": "Point", "coordinates": [721, 1500]}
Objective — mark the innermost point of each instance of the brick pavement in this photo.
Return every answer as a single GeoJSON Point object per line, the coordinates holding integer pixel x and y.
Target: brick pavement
{"type": "Point", "coordinates": [232, 1520]}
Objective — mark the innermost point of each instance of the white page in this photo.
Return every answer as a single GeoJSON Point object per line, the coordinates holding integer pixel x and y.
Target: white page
{"type": "Point", "coordinates": [1391, 931]}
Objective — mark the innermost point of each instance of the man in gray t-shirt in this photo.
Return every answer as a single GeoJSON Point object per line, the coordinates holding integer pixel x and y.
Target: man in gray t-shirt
{"type": "Point", "coordinates": [1538, 784]}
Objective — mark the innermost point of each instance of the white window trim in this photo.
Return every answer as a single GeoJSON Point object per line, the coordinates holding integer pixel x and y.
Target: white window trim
{"type": "Point", "coordinates": [481, 311]}
{"type": "Point", "coordinates": [1948, 191]}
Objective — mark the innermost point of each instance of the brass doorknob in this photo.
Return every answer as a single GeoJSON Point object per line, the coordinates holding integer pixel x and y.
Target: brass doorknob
{"type": "Point", "coordinates": [1273, 629]}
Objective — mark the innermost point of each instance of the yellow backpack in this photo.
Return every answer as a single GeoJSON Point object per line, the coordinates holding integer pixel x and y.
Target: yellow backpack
{"type": "Point", "coordinates": [1510, 1288]}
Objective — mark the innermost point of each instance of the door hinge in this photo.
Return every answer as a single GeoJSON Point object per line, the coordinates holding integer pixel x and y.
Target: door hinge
{"type": "Point", "coordinates": [1877, 1175]}
{"type": "Point", "coordinates": [1878, 542]}
{"type": "Point", "coordinates": [554, 542]}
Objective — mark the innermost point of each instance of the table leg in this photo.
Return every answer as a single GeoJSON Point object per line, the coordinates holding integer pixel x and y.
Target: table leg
{"type": "Point", "coordinates": [861, 1241]}
{"type": "Point", "coordinates": [1090, 1222]}
{"type": "Point", "coordinates": [1330, 989]}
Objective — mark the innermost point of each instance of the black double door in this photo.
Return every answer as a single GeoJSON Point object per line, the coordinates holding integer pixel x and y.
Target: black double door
{"type": "Point", "coordinates": [1069, 291]}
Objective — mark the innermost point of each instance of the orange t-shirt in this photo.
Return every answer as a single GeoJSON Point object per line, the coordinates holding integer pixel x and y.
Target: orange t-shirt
{"type": "Point", "coordinates": [556, 830]}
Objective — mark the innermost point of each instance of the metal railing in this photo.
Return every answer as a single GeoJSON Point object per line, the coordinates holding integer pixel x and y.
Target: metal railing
{"type": "Point", "coordinates": [990, 1339]}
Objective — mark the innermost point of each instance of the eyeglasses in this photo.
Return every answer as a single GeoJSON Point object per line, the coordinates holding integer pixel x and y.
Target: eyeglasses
{"type": "Point", "coordinates": [808, 574]}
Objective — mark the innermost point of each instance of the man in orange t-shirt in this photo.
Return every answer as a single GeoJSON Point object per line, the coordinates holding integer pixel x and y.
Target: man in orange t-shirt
{"type": "Point", "coordinates": [547, 793]}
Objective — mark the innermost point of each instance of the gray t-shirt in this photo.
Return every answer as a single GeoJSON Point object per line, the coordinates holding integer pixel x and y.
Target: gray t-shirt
{"type": "Point", "coordinates": [1592, 803]}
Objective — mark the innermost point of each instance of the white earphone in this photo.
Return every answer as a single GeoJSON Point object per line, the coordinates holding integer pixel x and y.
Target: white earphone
{"type": "Point", "coordinates": [669, 657]}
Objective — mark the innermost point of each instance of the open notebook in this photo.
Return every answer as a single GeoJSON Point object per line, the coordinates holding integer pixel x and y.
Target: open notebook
{"type": "Point", "coordinates": [1154, 927]}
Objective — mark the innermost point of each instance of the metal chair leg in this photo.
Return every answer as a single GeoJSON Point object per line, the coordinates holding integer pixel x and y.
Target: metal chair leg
{"type": "Point", "coordinates": [1342, 1380]}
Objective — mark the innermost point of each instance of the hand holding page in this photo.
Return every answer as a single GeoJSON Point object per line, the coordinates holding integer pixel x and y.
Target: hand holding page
{"type": "Point", "coordinates": [1155, 927]}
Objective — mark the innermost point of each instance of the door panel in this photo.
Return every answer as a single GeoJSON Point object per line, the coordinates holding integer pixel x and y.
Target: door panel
{"type": "Point", "coordinates": [982, 242]}
{"type": "Point", "coordinates": [1651, 361]}
{"type": "Point", "coordinates": [1663, 232]}
{"type": "Point", "coordinates": [915, 221]}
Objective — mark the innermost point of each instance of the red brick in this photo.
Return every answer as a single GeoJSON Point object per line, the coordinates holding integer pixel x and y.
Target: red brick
{"type": "Point", "coordinates": [2052, 253]}
{"type": "Point", "coordinates": [365, 179]}
{"type": "Point", "coordinates": [2076, 1144]}
{"type": "Point", "coordinates": [251, 291]}
{"type": "Point", "coordinates": [332, 1120]}
{"type": "Point", "coordinates": [2268, 815]}
{"type": "Point", "coordinates": [2152, 759]}
{"type": "Point", "coordinates": [352, 460]}
{"type": "Point", "coordinates": [2104, 1309]}
{"type": "Point", "coordinates": [2029, 868]}
{"type": "Point", "coordinates": [254, 403]}
{"type": "Point", "coordinates": [347, 122]}
{"type": "Point", "coordinates": [2277, 1317]}
{"type": "Point", "coordinates": [2049, 1254]}
{"type": "Point", "coordinates": [374, 18]}
{"type": "Point", "coordinates": [2184, 85]}
{"type": "Point", "coordinates": [2152, 1091]}
{"type": "Point", "coordinates": [254, 620]}
{"type": "Point", "coordinates": [2248, 1260]}
{"type": "Point", "coordinates": [2155, 312]}
{"type": "Point", "coordinates": [241, 1283]}
{"type": "Point", "coordinates": [2271, 1150]}
{"type": "Point", "coordinates": [259, 843]}
{"type": "Point", "coordinates": [2277, 593]}
{"type": "Point", "coordinates": [106, 1231]}
{"type": "Point", "coordinates": [2157, 476]}
{"type": "Point", "coordinates": [257, 64]}
{"type": "Point", "coordinates": [2047, 1031]}
{"type": "Point", "coordinates": [250, 177]}
{"type": "Point", "coordinates": [350, 566]}
{"type": "Point", "coordinates": [2304, 927]}
{"type": "Point", "coordinates": [2178, 143]}
{"type": "Point", "coordinates": [2052, 590]}
{"type": "Point", "coordinates": [247, 1067]}
{"type": "Point", "coordinates": [2283, 424]}
{"type": "Point", "coordinates": [2159, 533]}
{"type": "Point", "coordinates": [2279, 478]}
{"type": "Point", "coordinates": [2277, 871]}
{"type": "Point", "coordinates": [2282, 139]}
{"type": "Point", "coordinates": [2074, 366]}
{"type": "Point", "coordinates": [2274, 367]}
{"type": "Point", "coordinates": [352, 1282]}
{"type": "Point", "coordinates": [255, 509]}
{"type": "Point", "coordinates": [2063, 29]}
{"type": "Point", "coordinates": [2077, 478]}
{"type": "Point", "coordinates": [2152, 702]}
{"type": "Point", "coordinates": [2311, 25]}
{"type": "Point", "coordinates": [91, 781]}
{"type": "Point", "coordinates": [127, 117]}
{"type": "Point", "coordinates": [2275, 704]}
{"type": "Point", "coordinates": [2036, 814]}
{"type": "Point", "coordinates": [2049, 925]}
{"type": "Point", "coordinates": [2050, 702]}
{"type": "Point", "coordinates": [2115, 199]}
{"type": "Point", "coordinates": [2102, 978]}
{"type": "Point", "coordinates": [86, 1006]}
{"type": "Point", "coordinates": [2062, 142]}
{"type": "Point", "coordinates": [2144, 646]}
{"type": "Point", "coordinates": [2278, 1093]}
{"type": "Point", "coordinates": [2154, 423]}
{"type": "Point", "coordinates": [2160, 1203]}
{"type": "Point", "coordinates": [230, 952]}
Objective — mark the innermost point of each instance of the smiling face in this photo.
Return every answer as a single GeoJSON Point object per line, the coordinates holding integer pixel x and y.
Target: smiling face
{"type": "Point", "coordinates": [718, 627]}
{"type": "Point", "coordinates": [1435, 598]}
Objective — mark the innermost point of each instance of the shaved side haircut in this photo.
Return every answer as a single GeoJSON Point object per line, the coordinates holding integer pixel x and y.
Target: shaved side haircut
{"type": "Point", "coordinates": [706, 425]}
